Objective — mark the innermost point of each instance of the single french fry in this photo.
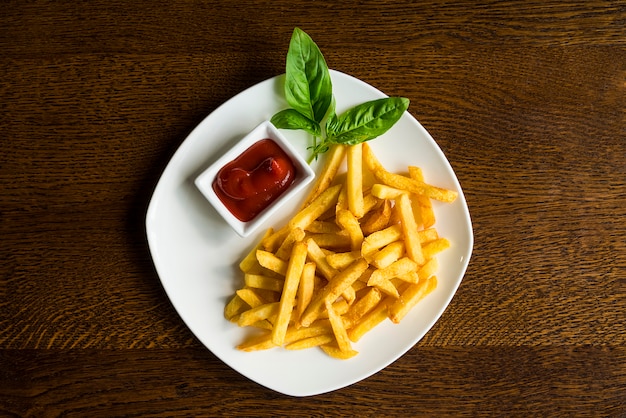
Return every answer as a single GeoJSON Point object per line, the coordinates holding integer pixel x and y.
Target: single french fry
{"type": "Point", "coordinates": [333, 159]}
{"type": "Point", "coordinates": [310, 342]}
{"type": "Point", "coordinates": [428, 235]}
{"type": "Point", "coordinates": [250, 297]}
{"type": "Point", "coordinates": [264, 324]}
{"type": "Point", "coordinates": [287, 300]}
{"type": "Point", "coordinates": [350, 224]}
{"type": "Point", "coordinates": [254, 345]}
{"type": "Point", "coordinates": [305, 289]}
{"type": "Point", "coordinates": [333, 351]}
{"type": "Point", "coordinates": [259, 281]}
{"type": "Point", "coordinates": [354, 181]}
{"type": "Point", "coordinates": [432, 248]}
{"type": "Point", "coordinates": [395, 269]}
{"type": "Point", "coordinates": [368, 177]}
{"type": "Point", "coordinates": [341, 336]}
{"type": "Point", "coordinates": [259, 313]}
{"type": "Point", "coordinates": [333, 289]}
{"type": "Point", "coordinates": [412, 243]}
{"type": "Point", "coordinates": [402, 182]}
{"type": "Point", "coordinates": [234, 307]}
{"type": "Point", "coordinates": [382, 191]}
{"type": "Point", "coordinates": [342, 201]}
{"type": "Point", "coordinates": [257, 342]}
{"type": "Point", "coordinates": [337, 242]}
{"type": "Point", "coordinates": [416, 173]}
{"type": "Point", "coordinates": [271, 262]}
{"type": "Point", "coordinates": [388, 254]}
{"type": "Point", "coordinates": [249, 261]}
{"type": "Point", "coordinates": [340, 261]}
{"type": "Point", "coordinates": [409, 298]}
{"type": "Point", "coordinates": [318, 206]}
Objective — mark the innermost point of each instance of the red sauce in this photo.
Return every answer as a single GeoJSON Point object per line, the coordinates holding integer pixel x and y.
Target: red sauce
{"type": "Point", "coordinates": [252, 181]}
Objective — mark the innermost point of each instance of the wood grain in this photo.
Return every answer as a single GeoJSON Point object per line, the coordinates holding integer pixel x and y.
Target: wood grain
{"type": "Point", "coordinates": [526, 99]}
{"type": "Point", "coordinates": [514, 381]}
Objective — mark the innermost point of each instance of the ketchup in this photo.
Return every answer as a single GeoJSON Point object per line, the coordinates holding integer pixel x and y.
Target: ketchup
{"type": "Point", "coordinates": [253, 180]}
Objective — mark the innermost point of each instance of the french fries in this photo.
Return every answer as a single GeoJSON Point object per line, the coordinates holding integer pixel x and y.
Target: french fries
{"type": "Point", "coordinates": [405, 183]}
{"type": "Point", "coordinates": [361, 250]}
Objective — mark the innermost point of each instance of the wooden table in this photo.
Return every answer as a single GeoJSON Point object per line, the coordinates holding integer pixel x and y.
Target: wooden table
{"type": "Point", "coordinates": [526, 99]}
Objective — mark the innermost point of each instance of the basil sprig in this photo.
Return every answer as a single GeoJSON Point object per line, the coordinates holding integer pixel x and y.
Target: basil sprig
{"type": "Point", "coordinates": [308, 90]}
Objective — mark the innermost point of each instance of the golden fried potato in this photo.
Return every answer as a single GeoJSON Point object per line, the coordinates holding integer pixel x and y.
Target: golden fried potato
{"type": "Point", "coordinates": [362, 249]}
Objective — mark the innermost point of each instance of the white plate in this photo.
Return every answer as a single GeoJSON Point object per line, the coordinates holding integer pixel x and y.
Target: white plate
{"type": "Point", "coordinates": [196, 253]}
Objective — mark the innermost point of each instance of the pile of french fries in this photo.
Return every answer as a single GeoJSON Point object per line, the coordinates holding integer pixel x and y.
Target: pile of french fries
{"type": "Point", "coordinates": [360, 250]}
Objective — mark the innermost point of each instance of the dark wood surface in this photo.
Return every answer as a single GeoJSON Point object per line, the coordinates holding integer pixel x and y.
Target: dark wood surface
{"type": "Point", "coordinates": [526, 99]}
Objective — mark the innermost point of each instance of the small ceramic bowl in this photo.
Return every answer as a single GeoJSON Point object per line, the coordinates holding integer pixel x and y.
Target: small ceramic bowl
{"type": "Point", "coordinates": [304, 175]}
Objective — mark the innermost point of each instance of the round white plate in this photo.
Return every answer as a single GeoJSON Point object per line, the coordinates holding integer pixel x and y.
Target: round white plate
{"type": "Point", "coordinates": [196, 253]}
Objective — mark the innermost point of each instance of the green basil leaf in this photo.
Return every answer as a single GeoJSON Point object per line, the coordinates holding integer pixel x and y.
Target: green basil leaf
{"type": "Point", "coordinates": [366, 121]}
{"type": "Point", "coordinates": [308, 87]}
{"type": "Point", "coordinates": [292, 119]}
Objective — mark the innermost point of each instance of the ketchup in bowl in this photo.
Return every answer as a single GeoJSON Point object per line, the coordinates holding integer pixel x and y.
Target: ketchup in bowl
{"type": "Point", "coordinates": [253, 180]}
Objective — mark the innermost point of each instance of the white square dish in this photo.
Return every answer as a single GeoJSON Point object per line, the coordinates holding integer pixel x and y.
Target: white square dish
{"type": "Point", "coordinates": [266, 130]}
